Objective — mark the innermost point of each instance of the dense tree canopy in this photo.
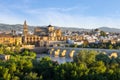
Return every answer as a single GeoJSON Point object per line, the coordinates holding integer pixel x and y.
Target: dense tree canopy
{"type": "Point", "coordinates": [87, 65]}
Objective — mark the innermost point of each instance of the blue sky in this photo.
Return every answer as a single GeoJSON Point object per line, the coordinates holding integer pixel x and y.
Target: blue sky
{"type": "Point", "coordinates": [63, 13]}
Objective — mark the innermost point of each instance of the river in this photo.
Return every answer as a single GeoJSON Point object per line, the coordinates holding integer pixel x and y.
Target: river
{"type": "Point", "coordinates": [60, 60]}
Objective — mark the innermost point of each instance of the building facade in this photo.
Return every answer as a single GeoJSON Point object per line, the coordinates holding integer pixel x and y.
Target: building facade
{"type": "Point", "coordinates": [10, 40]}
{"type": "Point", "coordinates": [44, 35]}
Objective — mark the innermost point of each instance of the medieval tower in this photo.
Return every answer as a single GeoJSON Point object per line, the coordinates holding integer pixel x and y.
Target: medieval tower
{"type": "Point", "coordinates": [25, 28]}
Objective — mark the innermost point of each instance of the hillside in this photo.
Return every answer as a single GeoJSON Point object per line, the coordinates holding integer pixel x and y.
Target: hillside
{"type": "Point", "coordinates": [19, 27]}
{"type": "Point", "coordinates": [107, 29]}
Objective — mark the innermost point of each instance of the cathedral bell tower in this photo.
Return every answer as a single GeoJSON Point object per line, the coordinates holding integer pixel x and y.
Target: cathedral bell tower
{"type": "Point", "coordinates": [25, 28]}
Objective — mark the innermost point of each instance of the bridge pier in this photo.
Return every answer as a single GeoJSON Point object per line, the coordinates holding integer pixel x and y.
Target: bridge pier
{"type": "Point", "coordinates": [70, 52]}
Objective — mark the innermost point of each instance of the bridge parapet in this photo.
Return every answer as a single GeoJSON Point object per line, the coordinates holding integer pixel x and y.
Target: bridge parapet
{"type": "Point", "coordinates": [70, 52]}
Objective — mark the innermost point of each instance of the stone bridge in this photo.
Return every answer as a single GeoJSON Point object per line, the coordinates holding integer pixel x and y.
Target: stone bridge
{"type": "Point", "coordinates": [70, 52]}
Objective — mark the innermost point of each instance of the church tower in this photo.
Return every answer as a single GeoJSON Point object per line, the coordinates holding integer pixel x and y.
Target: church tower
{"type": "Point", "coordinates": [25, 28]}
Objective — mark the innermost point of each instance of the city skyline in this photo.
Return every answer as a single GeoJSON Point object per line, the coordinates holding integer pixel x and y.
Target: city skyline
{"type": "Point", "coordinates": [64, 13]}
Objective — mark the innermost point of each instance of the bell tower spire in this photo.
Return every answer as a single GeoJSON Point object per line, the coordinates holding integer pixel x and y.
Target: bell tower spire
{"type": "Point", "coordinates": [25, 28]}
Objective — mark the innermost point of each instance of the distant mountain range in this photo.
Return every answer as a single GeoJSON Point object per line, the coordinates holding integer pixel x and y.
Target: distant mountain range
{"type": "Point", "coordinates": [107, 29]}
{"type": "Point", "coordinates": [19, 27]}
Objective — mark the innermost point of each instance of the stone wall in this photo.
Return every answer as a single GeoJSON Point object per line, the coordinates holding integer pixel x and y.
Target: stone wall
{"type": "Point", "coordinates": [70, 52]}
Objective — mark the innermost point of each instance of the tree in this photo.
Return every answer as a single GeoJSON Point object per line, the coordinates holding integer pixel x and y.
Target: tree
{"type": "Point", "coordinates": [31, 76]}
{"type": "Point", "coordinates": [110, 47]}
{"type": "Point", "coordinates": [4, 73]}
{"type": "Point", "coordinates": [86, 56]}
{"type": "Point", "coordinates": [15, 78]}
{"type": "Point", "coordinates": [45, 67]}
{"type": "Point", "coordinates": [103, 57]}
{"type": "Point", "coordinates": [102, 33]}
{"type": "Point", "coordinates": [98, 67]}
{"type": "Point", "coordinates": [12, 67]}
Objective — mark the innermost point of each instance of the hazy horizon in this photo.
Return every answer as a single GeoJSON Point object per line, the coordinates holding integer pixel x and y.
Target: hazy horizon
{"type": "Point", "coordinates": [63, 26]}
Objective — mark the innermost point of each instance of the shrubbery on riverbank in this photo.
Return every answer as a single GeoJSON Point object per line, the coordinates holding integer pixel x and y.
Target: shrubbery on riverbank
{"type": "Point", "coordinates": [87, 65]}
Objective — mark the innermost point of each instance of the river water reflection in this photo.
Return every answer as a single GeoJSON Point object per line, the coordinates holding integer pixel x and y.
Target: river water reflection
{"type": "Point", "coordinates": [60, 60]}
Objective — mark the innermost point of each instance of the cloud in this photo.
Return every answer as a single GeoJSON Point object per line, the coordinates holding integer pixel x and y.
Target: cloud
{"type": "Point", "coordinates": [55, 16]}
{"type": "Point", "coordinates": [64, 9]}
{"type": "Point", "coordinates": [58, 18]}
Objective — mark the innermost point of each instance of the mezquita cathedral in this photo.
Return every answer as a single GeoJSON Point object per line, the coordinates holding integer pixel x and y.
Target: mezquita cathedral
{"type": "Point", "coordinates": [42, 37]}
